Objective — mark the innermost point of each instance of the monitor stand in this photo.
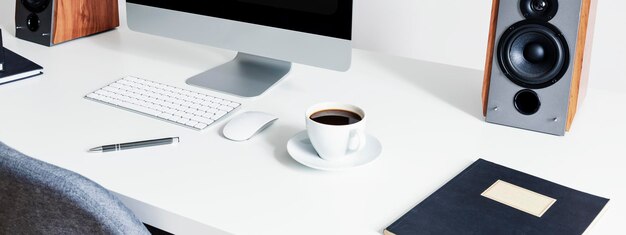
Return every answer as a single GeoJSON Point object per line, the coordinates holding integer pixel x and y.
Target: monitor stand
{"type": "Point", "coordinates": [246, 75]}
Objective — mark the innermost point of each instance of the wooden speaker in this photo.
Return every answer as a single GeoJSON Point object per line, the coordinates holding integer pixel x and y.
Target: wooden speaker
{"type": "Point", "coordinates": [50, 22]}
{"type": "Point", "coordinates": [537, 63]}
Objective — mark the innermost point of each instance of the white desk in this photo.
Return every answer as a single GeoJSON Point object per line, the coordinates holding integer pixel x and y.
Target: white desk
{"type": "Point", "coordinates": [428, 117]}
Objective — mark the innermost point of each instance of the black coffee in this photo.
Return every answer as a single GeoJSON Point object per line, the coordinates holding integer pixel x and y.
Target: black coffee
{"type": "Point", "coordinates": [336, 117]}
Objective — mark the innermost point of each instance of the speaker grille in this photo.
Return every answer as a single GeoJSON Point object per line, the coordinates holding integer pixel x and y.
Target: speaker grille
{"type": "Point", "coordinates": [533, 54]}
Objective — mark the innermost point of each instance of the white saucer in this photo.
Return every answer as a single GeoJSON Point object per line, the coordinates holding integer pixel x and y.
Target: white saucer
{"type": "Point", "coordinates": [301, 150]}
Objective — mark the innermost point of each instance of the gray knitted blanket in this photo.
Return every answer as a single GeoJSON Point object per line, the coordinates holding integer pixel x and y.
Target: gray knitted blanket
{"type": "Point", "coordinates": [39, 198]}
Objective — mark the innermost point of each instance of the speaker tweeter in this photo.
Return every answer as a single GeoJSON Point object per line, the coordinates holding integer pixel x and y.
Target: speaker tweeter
{"type": "Point", "coordinates": [539, 9]}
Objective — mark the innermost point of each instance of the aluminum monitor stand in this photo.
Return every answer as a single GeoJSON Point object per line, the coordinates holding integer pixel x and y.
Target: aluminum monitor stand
{"type": "Point", "coordinates": [246, 75]}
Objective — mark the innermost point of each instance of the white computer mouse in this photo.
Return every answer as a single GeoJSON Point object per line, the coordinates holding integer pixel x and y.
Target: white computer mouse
{"type": "Point", "coordinates": [246, 125]}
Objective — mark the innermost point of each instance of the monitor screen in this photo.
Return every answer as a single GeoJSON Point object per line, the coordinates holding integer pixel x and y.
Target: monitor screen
{"type": "Point", "coordinates": [332, 18]}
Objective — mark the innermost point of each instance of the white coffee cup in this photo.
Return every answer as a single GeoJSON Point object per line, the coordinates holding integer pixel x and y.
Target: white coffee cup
{"type": "Point", "coordinates": [338, 140]}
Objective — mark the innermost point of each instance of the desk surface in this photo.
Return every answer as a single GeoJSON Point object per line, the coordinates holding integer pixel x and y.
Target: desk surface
{"type": "Point", "coordinates": [427, 116]}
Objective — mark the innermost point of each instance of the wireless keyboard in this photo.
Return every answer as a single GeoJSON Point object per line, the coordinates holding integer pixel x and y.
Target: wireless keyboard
{"type": "Point", "coordinates": [187, 108]}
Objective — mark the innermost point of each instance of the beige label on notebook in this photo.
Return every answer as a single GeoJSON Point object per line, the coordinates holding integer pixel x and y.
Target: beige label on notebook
{"type": "Point", "coordinates": [519, 198]}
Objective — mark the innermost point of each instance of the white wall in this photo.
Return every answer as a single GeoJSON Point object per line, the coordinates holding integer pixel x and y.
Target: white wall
{"type": "Point", "coordinates": [455, 32]}
{"type": "Point", "coordinates": [444, 31]}
{"type": "Point", "coordinates": [609, 47]}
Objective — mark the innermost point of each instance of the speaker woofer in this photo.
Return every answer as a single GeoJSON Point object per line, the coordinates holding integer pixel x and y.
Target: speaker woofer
{"type": "Point", "coordinates": [36, 6]}
{"type": "Point", "coordinates": [539, 9]}
{"type": "Point", "coordinates": [533, 54]}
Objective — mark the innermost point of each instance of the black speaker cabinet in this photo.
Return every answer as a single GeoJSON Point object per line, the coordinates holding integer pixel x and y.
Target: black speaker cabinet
{"type": "Point", "coordinates": [50, 22]}
{"type": "Point", "coordinates": [1, 53]}
{"type": "Point", "coordinates": [537, 62]}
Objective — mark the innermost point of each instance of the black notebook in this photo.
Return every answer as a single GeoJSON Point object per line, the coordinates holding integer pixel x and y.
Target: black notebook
{"type": "Point", "coordinates": [487, 198]}
{"type": "Point", "coordinates": [14, 67]}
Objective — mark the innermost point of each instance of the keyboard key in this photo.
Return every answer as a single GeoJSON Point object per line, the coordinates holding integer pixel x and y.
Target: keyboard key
{"type": "Point", "coordinates": [133, 79]}
{"type": "Point", "coordinates": [153, 112]}
{"type": "Point", "coordinates": [175, 118]}
{"type": "Point", "coordinates": [201, 126]}
{"type": "Point", "coordinates": [187, 115]}
{"type": "Point", "coordinates": [199, 113]}
{"type": "Point", "coordinates": [188, 110]}
{"type": "Point", "coordinates": [207, 100]}
{"type": "Point", "coordinates": [111, 89]}
{"type": "Point", "coordinates": [171, 110]}
{"type": "Point", "coordinates": [225, 108]}
{"type": "Point", "coordinates": [204, 108]}
{"type": "Point", "coordinates": [205, 120]}
{"type": "Point", "coordinates": [213, 110]}
{"type": "Point", "coordinates": [94, 96]}
{"type": "Point", "coordinates": [218, 115]}
{"type": "Point", "coordinates": [200, 119]}
{"type": "Point", "coordinates": [183, 120]}
{"type": "Point", "coordinates": [188, 103]}
{"type": "Point", "coordinates": [233, 104]}
{"type": "Point", "coordinates": [165, 116]}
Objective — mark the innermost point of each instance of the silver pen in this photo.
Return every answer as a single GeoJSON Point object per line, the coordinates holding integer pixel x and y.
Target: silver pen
{"type": "Point", "coordinates": [132, 145]}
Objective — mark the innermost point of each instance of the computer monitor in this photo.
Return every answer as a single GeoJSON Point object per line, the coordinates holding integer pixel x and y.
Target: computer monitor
{"type": "Point", "coordinates": [267, 34]}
